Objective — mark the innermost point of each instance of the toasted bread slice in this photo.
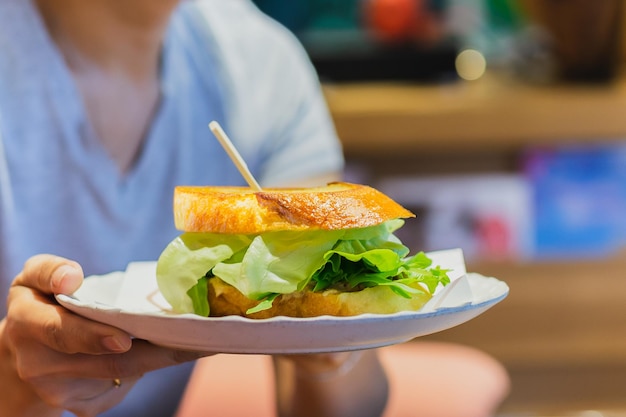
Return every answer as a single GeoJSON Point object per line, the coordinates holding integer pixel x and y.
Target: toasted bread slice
{"type": "Point", "coordinates": [240, 210]}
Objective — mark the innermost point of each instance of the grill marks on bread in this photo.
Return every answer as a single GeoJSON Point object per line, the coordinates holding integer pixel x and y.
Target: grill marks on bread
{"type": "Point", "coordinates": [239, 210]}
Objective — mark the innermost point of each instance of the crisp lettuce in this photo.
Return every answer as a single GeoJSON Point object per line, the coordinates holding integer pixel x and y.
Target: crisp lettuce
{"type": "Point", "coordinates": [278, 262]}
{"type": "Point", "coordinates": [264, 266]}
{"type": "Point", "coordinates": [188, 258]}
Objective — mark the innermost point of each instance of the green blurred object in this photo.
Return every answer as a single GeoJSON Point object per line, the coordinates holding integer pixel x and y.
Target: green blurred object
{"type": "Point", "coordinates": [504, 14]}
{"type": "Point", "coordinates": [295, 14]}
{"type": "Point", "coordinates": [334, 14]}
{"type": "Point", "coordinates": [300, 15]}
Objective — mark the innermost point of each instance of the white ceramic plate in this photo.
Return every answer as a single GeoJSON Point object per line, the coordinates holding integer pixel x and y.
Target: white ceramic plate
{"type": "Point", "coordinates": [130, 300]}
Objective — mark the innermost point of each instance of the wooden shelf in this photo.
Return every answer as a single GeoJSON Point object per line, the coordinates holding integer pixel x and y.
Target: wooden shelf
{"type": "Point", "coordinates": [560, 332]}
{"type": "Point", "coordinates": [493, 113]}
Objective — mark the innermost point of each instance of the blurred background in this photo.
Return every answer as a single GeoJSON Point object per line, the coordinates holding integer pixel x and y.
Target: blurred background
{"type": "Point", "coordinates": [502, 125]}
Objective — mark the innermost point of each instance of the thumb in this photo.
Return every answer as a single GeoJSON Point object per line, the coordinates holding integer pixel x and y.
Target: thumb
{"type": "Point", "coordinates": [50, 274]}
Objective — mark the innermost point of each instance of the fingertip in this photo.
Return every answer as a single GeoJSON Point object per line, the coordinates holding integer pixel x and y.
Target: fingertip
{"type": "Point", "coordinates": [67, 279]}
{"type": "Point", "coordinates": [117, 343]}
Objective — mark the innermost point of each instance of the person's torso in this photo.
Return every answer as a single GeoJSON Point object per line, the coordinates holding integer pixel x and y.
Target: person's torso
{"type": "Point", "coordinates": [63, 194]}
{"type": "Point", "coordinates": [68, 195]}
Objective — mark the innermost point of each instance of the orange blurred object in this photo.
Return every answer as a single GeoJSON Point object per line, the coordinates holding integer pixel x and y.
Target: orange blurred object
{"type": "Point", "coordinates": [393, 20]}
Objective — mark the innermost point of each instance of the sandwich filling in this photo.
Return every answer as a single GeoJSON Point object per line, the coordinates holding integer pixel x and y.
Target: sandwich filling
{"type": "Point", "coordinates": [266, 265]}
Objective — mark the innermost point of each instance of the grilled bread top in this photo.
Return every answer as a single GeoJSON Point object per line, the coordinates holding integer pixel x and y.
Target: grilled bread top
{"type": "Point", "coordinates": [240, 210]}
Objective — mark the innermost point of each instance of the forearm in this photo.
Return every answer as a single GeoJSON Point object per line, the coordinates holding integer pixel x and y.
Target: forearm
{"type": "Point", "coordinates": [17, 397]}
{"type": "Point", "coordinates": [357, 387]}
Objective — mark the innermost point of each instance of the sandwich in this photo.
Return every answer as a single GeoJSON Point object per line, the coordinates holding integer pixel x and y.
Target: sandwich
{"type": "Point", "coordinates": [297, 252]}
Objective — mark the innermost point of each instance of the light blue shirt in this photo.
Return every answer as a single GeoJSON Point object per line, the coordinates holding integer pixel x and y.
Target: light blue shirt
{"type": "Point", "coordinates": [61, 193]}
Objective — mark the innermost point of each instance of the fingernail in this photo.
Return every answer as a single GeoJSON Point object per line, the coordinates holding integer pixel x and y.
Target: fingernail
{"type": "Point", "coordinates": [58, 280]}
{"type": "Point", "coordinates": [116, 344]}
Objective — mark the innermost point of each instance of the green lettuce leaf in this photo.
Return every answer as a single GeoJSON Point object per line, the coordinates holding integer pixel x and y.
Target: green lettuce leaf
{"type": "Point", "coordinates": [187, 259]}
{"type": "Point", "coordinates": [278, 262]}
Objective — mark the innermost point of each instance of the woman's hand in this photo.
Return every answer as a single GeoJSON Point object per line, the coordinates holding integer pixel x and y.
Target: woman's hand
{"type": "Point", "coordinates": [53, 360]}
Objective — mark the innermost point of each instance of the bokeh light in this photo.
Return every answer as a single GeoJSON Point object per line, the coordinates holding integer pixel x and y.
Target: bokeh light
{"type": "Point", "coordinates": [470, 64]}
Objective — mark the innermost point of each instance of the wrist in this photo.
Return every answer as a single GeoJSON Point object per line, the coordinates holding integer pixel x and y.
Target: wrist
{"type": "Point", "coordinates": [327, 366]}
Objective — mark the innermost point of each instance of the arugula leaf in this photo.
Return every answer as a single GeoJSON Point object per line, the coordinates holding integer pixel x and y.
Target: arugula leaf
{"type": "Point", "coordinates": [265, 304]}
{"type": "Point", "coordinates": [199, 297]}
{"type": "Point", "coordinates": [380, 267]}
{"type": "Point", "coordinates": [418, 268]}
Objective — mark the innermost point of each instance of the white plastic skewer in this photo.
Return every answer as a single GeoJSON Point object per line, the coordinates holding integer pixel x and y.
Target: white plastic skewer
{"type": "Point", "coordinates": [234, 155]}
